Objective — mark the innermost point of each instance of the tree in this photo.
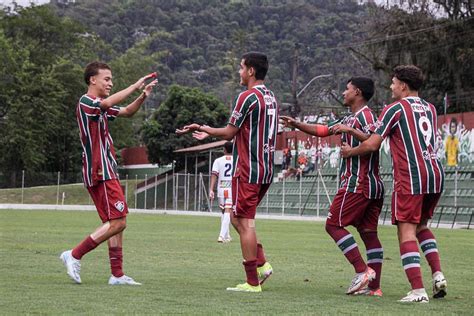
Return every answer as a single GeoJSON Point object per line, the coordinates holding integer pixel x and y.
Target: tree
{"type": "Point", "coordinates": [183, 106]}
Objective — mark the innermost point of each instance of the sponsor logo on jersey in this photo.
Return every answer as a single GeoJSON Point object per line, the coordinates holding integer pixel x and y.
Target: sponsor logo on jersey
{"type": "Point", "coordinates": [419, 108]}
{"type": "Point", "coordinates": [268, 99]}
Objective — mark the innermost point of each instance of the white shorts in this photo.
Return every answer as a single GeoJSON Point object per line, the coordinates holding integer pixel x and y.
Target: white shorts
{"type": "Point", "coordinates": [225, 198]}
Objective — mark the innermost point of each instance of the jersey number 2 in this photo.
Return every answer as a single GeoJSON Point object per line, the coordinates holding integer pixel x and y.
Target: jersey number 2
{"type": "Point", "coordinates": [228, 167]}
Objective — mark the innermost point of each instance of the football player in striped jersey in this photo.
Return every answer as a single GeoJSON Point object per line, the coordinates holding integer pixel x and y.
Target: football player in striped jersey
{"type": "Point", "coordinates": [94, 111]}
{"type": "Point", "coordinates": [253, 127]}
{"type": "Point", "coordinates": [410, 124]}
{"type": "Point", "coordinates": [359, 199]}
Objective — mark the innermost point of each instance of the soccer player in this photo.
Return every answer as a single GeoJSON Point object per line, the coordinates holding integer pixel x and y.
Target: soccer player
{"type": "Point", "coordinates": [94, 111]}
{"type": "Point", "coordinates": [253, 126]}
{"type": "Point", "coordinates": [410, 123]}
{"type": "Point", "coordinates": [359, 199]}
{"type": "Point", "coordinates": [222, 174]}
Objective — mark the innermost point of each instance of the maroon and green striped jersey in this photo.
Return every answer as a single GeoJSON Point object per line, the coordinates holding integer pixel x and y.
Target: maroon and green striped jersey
{"type": "Point", "coordinates": [360, 174]}
{"type": "Point", "coordinates": [98, 156]}
{"type": "Point", "coordinates": [411, 125]}
{"type": "Point", "coordinates": [255, 113]}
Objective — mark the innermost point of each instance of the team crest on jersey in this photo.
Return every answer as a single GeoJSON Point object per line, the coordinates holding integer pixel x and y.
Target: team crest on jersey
{"type": "Point", "coordinates": [268, 100]}
{"type": "Point", "coordinates": [120, 206]}
{"type": "Point", "coordinates": [236, 115]}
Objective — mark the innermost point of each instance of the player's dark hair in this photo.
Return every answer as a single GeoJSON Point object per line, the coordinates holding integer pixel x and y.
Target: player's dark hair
{"type": "Point", "coordinates": [228, 146]}
{"type": "Point", "coordinates": [257, 61]}
{"type": "Point", "coordinates": [365, 85]}
{"type": "Point", "coordinates": [92, 69]}
{"type": "Point", "coordinates": [409, 74]}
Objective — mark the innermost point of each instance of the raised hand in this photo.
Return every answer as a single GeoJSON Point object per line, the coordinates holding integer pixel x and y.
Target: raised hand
{"type": "Point", "coordinates": [149, 87]}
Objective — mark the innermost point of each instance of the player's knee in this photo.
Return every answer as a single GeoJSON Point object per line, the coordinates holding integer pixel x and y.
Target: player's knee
{"type": "Point", "coordinates": [118, 225]}
{"type": "Point", "coordinates": [329, 228]}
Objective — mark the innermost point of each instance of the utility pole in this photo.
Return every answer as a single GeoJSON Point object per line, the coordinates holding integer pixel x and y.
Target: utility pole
{"type": "Point", "coordinates": [295, 109]}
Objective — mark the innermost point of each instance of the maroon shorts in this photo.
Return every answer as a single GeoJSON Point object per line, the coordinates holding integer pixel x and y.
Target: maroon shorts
{"type": "Point", "coordinates": [354, 209]}
{"type": "Point", "coordinates": [109, 200]}
{"type": "Point", "coordinates": [246, 197]}
{"type": "Point", "coordinates": [413, 208]}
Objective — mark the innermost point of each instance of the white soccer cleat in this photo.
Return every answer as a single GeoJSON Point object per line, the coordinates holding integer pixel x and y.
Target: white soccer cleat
{"type": "Point", "coordinates": [439, 285]}
{"type": "Point", "coordinates": [73, 266]}
{"type": "Point", "coordinates": [228, 239]}
{"type": "Point", "coordinates": [416, 296]}
{"type": "Point", "coordinates": [220, 239]}
{"type": "Point", "coordinates": [361, 280]}
{"type": "Point", "coordinates": [123, 280]}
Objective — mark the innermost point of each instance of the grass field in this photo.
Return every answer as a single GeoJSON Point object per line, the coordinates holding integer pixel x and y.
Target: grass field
{"type": "Point", "coordinates": [185, 271]}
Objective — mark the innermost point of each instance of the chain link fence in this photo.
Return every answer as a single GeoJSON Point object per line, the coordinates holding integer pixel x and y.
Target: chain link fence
{"type": "Point", "coordinates": [308, 195]}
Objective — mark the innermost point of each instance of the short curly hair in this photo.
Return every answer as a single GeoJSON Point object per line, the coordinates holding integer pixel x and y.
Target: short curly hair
{"type": "Point", "coordinates": [409, 74]}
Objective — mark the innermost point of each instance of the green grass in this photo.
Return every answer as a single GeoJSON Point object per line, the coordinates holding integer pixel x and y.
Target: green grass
{"type": "Point", "coordinates": [185, 271]}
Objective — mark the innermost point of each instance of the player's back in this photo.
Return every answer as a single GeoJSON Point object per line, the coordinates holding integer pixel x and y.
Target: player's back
{"type": "Point", "coordinates": [222, 168]}
{"type": "Point", "coordinates": [411, 124]}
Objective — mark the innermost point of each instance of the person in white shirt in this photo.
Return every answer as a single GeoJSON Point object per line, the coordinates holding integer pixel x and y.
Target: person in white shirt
{"type": "Point", "coordinates": [222, 174]}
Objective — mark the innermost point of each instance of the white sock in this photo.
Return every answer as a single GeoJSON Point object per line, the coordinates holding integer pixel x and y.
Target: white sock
{"type": "Point", "coordinates": [223, 230]}
{"type": "Point", "coordinates": [226, 224]}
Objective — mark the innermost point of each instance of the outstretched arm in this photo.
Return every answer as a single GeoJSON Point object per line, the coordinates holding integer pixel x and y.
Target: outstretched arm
{"type": "Point", "coordinates": [228, 132]}
{"type": "Point", "coordinates": [371, 144]}
{"type": "Point", "coordinates": [118, 97]}
{"type": "Point", "coordinates": [312, 129]}
{"type": "Point", "coordinates": [341, 128]}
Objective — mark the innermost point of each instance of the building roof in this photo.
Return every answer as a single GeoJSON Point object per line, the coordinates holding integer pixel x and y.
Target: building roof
{"type": "Point", "coordinates": [201, 148]}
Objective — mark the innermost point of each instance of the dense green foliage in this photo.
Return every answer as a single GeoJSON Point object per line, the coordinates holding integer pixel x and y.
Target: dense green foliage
{"type": "Point", "coordinates": [198, 44]}
{"type": "Point", "coordinates": [183, 106]}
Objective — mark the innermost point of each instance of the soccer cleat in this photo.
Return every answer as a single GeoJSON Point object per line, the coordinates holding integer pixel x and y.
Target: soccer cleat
{"type": "Point", "coordinates": [228, 239]}
{"type": "Point", "coordinates": [264, 272]}
{"type": "Point", "coordinates": [220, 239]}
{"type": "Point", "coordinates": [361, 280]}
{"type": "Point", "coordinates": [416, 296]}
{"type": "Point", "coordinates": [73, 266]}
{"type": "Point", "coordinates": [369, 292]}
{"type": "Point", "coordinates": [245, 287]}
{"type": "Point", "coordinates": [439, 285]}
{"type": "Point", "coordinates": [123, 280]}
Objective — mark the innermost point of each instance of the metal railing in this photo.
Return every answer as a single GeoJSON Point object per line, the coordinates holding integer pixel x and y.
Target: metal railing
{"type": "Point", "coordinates": [309, 195]}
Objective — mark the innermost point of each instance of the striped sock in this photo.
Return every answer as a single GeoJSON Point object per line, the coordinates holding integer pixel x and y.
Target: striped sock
{"type": "Point", "coordinates": [346, 242]}
{"type": "Point", "coordinates": [430, 249]}
{"type": "Point", "coordinates": [411, 263]}
{"type": "Point", "coordinates": [374, 256]}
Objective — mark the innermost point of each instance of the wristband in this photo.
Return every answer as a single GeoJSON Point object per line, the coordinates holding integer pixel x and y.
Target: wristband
{"type": "Point", "coordinates": [322, 130]}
